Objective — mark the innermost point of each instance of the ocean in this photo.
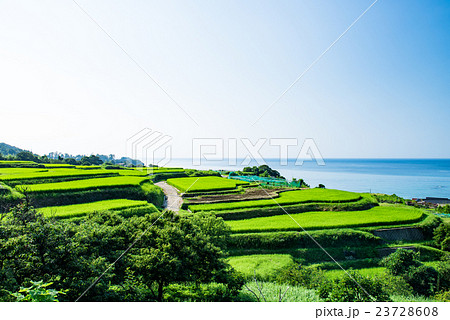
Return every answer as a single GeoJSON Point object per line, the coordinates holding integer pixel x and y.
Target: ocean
{"type": "Point", "coordinates": [408, 178]}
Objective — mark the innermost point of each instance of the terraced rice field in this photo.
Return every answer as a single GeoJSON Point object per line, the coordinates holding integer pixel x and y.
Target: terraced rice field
{"type": "Point", "coordinates": [87, 184]}
{"type": "Point", "coordinates": [381, 215]}
{"type": "Point", "coordinates": [75, 210]}
{"type": "Point", "coordinates": [198, 184]}
{"type": "Point", "coordinates": [285, 198]}
{"type": "Point", "coordinates": [52, 174]}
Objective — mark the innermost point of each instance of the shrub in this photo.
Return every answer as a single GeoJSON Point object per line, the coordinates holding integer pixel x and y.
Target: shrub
{"type": "Point", "coordinates": [296, 275]}
{"type": "Point", "coordinates": [399, 262]}
{"type": "Point", "coordinates": [423, 279]}
{"type": "Point", "coordinates": [353, 288]}
{"type": "Point", "coordinates": [442, 236]}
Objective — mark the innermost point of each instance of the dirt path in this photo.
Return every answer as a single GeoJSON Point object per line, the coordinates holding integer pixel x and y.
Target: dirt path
{"type": "Point", "coordinates": [173, 199]}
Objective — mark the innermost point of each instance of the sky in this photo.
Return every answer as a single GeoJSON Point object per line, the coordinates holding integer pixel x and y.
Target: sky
{"type": "Point", "coordinates": [210, 69]}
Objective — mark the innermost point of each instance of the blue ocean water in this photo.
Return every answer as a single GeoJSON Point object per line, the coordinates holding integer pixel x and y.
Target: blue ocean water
{"type": "Point", "coordinates": [409, 178]}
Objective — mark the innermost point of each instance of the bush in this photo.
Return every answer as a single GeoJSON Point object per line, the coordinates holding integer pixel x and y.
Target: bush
{"type": "Point", "coordinates": [405, 263]}
{"type": "Point", "coordinates": [429, 225]}
{"type": "Point", "coordinates": [353, 288]}
{"type": "Point", "coordinates": [399, 262]}
{"type": "Point", "coordinates": [423, 279]}
{"type": "Point", "coordinates": [443, 296]}
{"type": "Point", "coordinates": [296, 275]}
{"type": "Point", "coordinates": [442, 236]}
{"type": "Point", "coordinates": [395, 285]}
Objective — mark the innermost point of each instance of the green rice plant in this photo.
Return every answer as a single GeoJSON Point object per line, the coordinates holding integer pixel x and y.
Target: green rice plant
{"type": "Point", "coordinates": [55, 173]}
{"type": "Point", "coordinates": [87, 184]}
{"type": "Point", "coordinates": [146, 191]}
{"type": "Point", "coordinates": [198, 184]}
{"type": "Point", "coordinates": [261, 266]}
{"type": "Point", "coordinates": [339, 273]}
{"type": "Point", "coordinates": [16, 162]}
{"type": "Point", "coordinates": [365, 203]}
{"type": "Point", "coordinates": [83, 208]}
{"type": "Point", "coordinates": [285, 198]}
{"type": "Point", "coordinates": [13, 171]}
{"type": "Point", "coordinates": [382, 215]}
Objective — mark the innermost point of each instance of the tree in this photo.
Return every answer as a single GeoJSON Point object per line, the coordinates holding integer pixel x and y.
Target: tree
{"type": "Point", "coordinates": [26, 156]}
{"type": "Point", "coordinates": [181, 249]}
{"type": "Point", "coordinates": [91, 160]}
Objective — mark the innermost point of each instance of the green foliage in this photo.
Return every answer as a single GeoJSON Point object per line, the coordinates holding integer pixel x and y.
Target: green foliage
{"type": "Point", "coordinates": [276, 292]}
{"type": "Point", "coordinates": [285, 198]}
{"type": "Point", "coordinates": [296, 275]}
{"type": "Point", "coordinates": [202, 173]}
{"type": "Point", "coordinates": [321, 220]}
{"type": "Point", "coordinates": [389, 198]}
{"type": "Point", "coordinates": [290, 239]}
{"type": "Point", "coordinates": [442, 236]}
{"type": "Point", "coordinates": [261, 266]}
{"type": "Point", "coordinates": [443, 209]}
{"type": "Point", "coordinates": [399, 262]}
{"type": "Point", "coordinates": [405, 263]}
{"type": "Point", "coordinates": [167, 249]}
{"type": "Point", "coordinates": [37, 292]}
{"type": "Point", "coordinates": [353, 287]}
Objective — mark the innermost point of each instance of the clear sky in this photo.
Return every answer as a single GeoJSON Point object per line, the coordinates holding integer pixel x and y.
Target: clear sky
{"type": "Point", "coordinates": [383, 90]}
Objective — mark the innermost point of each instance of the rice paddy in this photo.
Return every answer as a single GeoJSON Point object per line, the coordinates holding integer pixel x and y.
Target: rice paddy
{"type": "Point", "coordinates": [381, 215]}
{"type": "Point", "coordinates": [198, 184]}
{"type": "Point", "coordinates": [84, 208]}
{"type": "Point", "coordinates": [87, 184]}
{"type": "Point", "coordinates": [285, 198]}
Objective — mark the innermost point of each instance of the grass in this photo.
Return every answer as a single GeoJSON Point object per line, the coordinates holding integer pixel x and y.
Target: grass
{"type": "Point", "coordinates": [338, 273]}
{"type": "Point", "coordinates": [87, 184]}
{"type": "Point", "coordinates": [285, 198]}
{"type": "Point", "coordinates": [271, 292]}
{"type": "Point", "coordinates": [84, 208]}
{"type": "Point", "coordinates": [198, 184]}
{"type": "Point", "coordinates": [389, 214]}
{"type": "Point", "coordinates": [263, 266]}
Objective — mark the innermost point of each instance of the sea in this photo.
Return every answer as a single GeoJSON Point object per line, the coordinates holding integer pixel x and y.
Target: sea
{"type": "Point", "coordinates": [408, 178]}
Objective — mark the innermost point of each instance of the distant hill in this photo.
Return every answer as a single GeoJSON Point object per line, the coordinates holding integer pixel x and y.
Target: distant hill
{"type": "Point", "coordinates": [8, 150]}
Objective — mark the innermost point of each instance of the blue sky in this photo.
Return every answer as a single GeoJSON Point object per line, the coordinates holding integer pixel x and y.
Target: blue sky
{"type": "Point", "coordinates": [381, 91]}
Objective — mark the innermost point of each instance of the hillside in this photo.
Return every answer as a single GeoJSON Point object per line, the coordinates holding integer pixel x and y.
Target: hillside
{"type": "Point", "coordinates": [6, 149]}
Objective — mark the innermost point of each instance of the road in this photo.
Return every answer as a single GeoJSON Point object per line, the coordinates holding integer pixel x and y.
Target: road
{"type": "Point", "coordinates": [173, 199]}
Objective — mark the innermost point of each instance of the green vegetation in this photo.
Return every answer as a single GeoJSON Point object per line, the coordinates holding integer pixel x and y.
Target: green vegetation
{"type": "Point", "coordinates": [261, 266]}
{"type": "Point", "coordinates": [198, 184]}
{"type": "Point", "coordinates": [285, 198]}
{"type": "Point", "coordinates": [84, 208]}
{"type": "Point", "coordinates": [322, 220]}
{"type": "Point", "coordinates": [88, 184]}
{"type": "Point", "coordinates": [173, 250]}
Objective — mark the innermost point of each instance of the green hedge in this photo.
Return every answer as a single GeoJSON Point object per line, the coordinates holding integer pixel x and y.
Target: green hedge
{"type": "Point", "coordinates": [293, 239]}
{"type": "Point", "coordinates": [164, 176]}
